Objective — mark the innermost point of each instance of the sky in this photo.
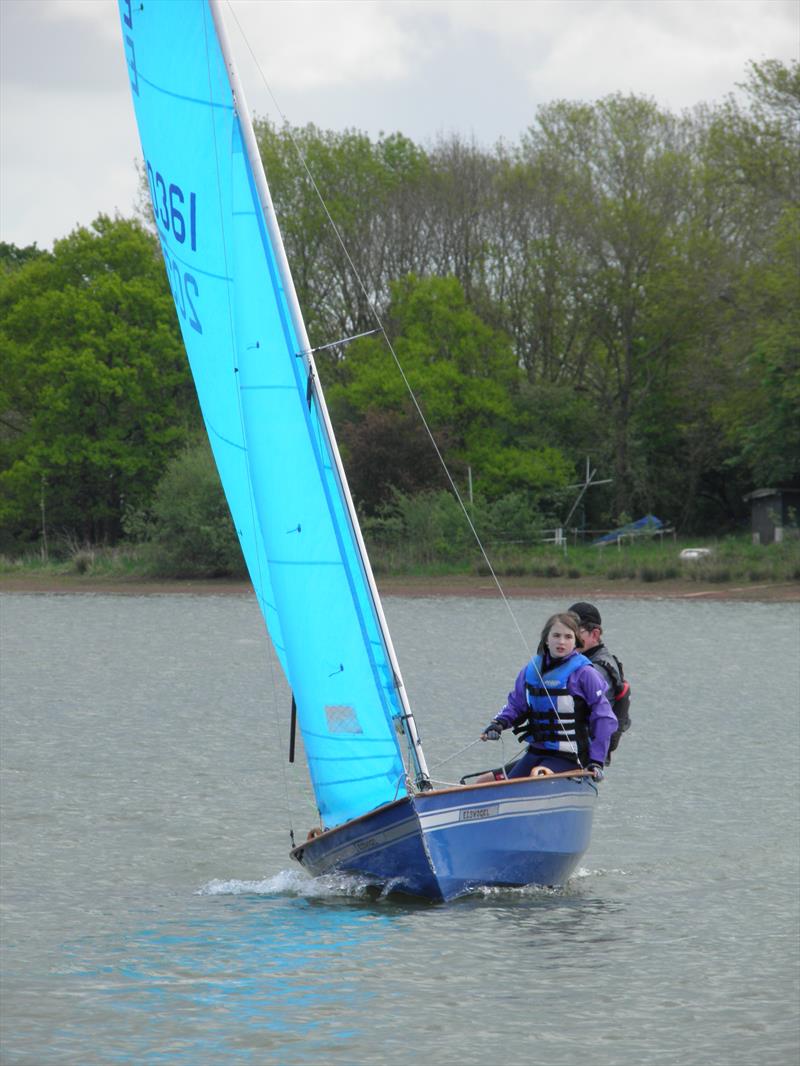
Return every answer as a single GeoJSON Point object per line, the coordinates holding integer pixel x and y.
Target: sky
{"type": "Point", "coordinates": [68, 141]}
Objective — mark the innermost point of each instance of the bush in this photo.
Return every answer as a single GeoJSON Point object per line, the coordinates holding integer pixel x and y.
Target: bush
{"type": "Point", "coordinates": [510, 518]}
{"type": "Point", "coordinates": [83, 560]}
{"type": "Point", "coordinates": [544, 568]}
{"type": "Point", "coordinates": [188, 530]}
{"type": "Point", "coordinates": [662, 572]}
{"type": "Point", "coordinates": [425, 530]}
{"type": "Point", "coordinates": [621, 572]}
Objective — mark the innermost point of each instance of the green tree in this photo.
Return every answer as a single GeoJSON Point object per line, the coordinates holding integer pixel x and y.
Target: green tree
{"type": "Point", "coordinates": [97, 392]}
{"type": "Point", "coordinates": [639, 264]}
{"type": "Point", "coordinates": [538, 262]}
{"type": "Point", "coordinates": [759, 149]}
{"type": "Point", "coordinates": [344, 252]}
{"type": "Point", "coordinates": [465, 379]}
{"type": "Point", "coordinates": [759, 412]}
{"type": "Point", "coordinates": [188, 526]}
{"type": "Point", "coordinates": [11, 256]}
{"type": "Point", "coordinates": [631, 179]}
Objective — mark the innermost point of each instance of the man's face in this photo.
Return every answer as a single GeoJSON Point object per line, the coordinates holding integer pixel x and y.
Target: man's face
{"type": "Point", "coordinates": [590, 635]}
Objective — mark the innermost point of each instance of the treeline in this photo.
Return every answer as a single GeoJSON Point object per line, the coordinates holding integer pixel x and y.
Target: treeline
{"type": "Point", "coordinates": [620, 284]}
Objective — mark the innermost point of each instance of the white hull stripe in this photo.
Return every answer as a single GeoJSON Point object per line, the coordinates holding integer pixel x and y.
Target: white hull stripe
{"type": "Point", "coordinates": [464, 823]}
{"type": "Point", "coordinates": [456, 816]}
{"type": "Point", "coordinates": [370, 842]}
{"type": "Point", "coordinates": [463, 815]}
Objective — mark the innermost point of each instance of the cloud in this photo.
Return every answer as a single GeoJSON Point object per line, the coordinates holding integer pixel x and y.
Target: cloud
{"type": "Point", "coordinates": [52, 183]}
{"type": "Point", "coordinates": [64, 45]}
{"type": "Point", "coordinates": [678, 52]}
{"type": "Point", "coordinates": [69, 143]}
{"type": "Point", "coordinates": [314, 44]}
{"type": "Point", "coordinates": [478, 67]}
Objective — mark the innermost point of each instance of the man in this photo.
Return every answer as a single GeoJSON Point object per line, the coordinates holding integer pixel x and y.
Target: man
{"type": "Point", "coordinates": [608, 665]}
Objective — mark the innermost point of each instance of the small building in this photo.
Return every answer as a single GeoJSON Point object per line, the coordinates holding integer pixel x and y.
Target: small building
{"type": "Point", "coordinates": [771, 512]}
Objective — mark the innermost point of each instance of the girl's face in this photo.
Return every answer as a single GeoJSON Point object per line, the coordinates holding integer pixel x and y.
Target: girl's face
{"type": "Point", "coordinates": [560, 640]}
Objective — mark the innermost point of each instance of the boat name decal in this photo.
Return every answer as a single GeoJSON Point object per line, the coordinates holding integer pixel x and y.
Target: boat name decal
{"type": "Point", "coordinates": [471, 814]}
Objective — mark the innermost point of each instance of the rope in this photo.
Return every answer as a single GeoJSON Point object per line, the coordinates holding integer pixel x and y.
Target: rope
{"type": "Point", "coordinates": [455, 754]}
{"type": "Point", "coordinates": [472, 743]}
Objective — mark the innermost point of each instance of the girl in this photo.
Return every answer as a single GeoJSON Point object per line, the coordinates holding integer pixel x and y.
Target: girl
{"type": "Point", "coordinates": [558, 704]}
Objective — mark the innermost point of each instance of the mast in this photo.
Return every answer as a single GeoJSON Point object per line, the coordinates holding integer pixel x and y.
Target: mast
{"type": "Point", "coordinates": [265, 199]}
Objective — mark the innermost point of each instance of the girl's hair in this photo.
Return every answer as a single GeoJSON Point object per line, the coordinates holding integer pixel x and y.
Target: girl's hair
{"type": "Point", "coordinates": [566, 618]}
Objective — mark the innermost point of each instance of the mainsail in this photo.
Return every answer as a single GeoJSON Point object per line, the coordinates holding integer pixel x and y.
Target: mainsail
{"type": "Point", "coordinates": [262, 407]}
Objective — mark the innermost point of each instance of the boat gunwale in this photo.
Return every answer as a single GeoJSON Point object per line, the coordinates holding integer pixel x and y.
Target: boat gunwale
{"type": "Point", "coordinates": [297, 851]}
{"type": "Point", "coordinates": [505, 781]}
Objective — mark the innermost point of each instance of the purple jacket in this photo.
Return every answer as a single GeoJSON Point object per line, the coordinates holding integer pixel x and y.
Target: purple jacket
{"type": "Point", "coordinates": [584, 682]}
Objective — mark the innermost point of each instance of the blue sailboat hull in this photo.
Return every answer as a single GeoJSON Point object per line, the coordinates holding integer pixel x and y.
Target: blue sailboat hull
{"type": "Point", "coordinates": [447, 843]}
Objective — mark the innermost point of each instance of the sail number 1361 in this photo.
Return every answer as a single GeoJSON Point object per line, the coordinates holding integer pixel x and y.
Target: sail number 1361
{"type": "Point", "coordinates": [176, 212]}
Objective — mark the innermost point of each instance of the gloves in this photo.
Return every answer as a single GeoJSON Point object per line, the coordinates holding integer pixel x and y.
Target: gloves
{"type": "Point", "coordinates": [492, 731]}
{"type": "Point", "coordinates": [596, 770]}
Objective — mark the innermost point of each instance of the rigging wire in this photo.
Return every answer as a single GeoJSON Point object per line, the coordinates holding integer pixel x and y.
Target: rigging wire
{"type": "Point", "coordinates": [381, 328]}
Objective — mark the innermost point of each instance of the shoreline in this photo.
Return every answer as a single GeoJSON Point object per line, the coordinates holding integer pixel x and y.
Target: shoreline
{"type": "Point", "coordinates": [416, 586]}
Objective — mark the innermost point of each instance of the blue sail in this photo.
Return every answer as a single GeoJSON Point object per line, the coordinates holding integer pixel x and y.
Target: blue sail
{"type": "Point", "coordinates": [266, 422]}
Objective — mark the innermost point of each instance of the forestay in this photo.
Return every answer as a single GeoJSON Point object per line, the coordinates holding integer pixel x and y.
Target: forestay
{"type": "Point", "coordinates": [249, 357]}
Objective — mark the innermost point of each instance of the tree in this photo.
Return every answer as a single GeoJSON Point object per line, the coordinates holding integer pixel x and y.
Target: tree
{"type": "Point", "coordinates": [741, 395]}
{"type": "Point", "coordinates": [188, 526]}
{"type": "Point", "coordinates": [538, 264]}
{"type": "Point", "coordinates": [344, 252]}
{"type": "Point", "coordinates": [11, 256]}
{"type": "Point", "coordinates": [760, 412]}
{"type": "Point", "coordinates": [464, 377]}
{"type": "Point", "coordinates": [98, 393]}
{"type": "Point", "coordinates": [627, 158]}
{"type": "Point", "coordinates": [386, 451]}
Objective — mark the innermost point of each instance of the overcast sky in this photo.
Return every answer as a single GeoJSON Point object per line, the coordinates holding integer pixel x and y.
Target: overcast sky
{"type": "Point", "coordinates": [423, 67]}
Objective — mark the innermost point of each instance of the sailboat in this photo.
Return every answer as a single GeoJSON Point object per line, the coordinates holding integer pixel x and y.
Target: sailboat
{"type": "Point", "coordinates": [380, 816]}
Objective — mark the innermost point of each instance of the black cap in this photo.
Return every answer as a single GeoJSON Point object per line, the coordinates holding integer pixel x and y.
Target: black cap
{"type": "Point", "coordinates": [587, 613]}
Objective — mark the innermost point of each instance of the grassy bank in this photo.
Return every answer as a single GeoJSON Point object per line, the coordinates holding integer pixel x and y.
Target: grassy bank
{"type": "Point", "coordinates": [647, 561]}
{"type": "Point", "coordinates": [652, 561]}
{"type": "Point", "coordinates": [731, 560]}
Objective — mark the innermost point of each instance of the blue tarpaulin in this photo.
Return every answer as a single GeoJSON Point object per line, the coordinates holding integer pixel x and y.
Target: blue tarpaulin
{"type": "Point", "coordinates": [646, 525]}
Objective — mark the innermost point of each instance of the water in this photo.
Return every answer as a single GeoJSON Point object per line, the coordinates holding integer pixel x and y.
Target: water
{"type": "Point", "coordinates": [151, 914]}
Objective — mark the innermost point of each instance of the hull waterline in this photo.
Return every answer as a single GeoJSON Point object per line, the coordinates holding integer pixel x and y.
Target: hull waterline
{"type": "Point", "coordinates": [443, 844]}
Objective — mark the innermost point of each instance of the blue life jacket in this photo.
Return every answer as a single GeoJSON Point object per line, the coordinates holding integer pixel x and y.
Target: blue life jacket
{"type": "Point", "coordinates": [555, 721]}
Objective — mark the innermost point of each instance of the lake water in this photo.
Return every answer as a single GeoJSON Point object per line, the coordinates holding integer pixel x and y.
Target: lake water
{"type": "Point", "coordinates": [151, 913]}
